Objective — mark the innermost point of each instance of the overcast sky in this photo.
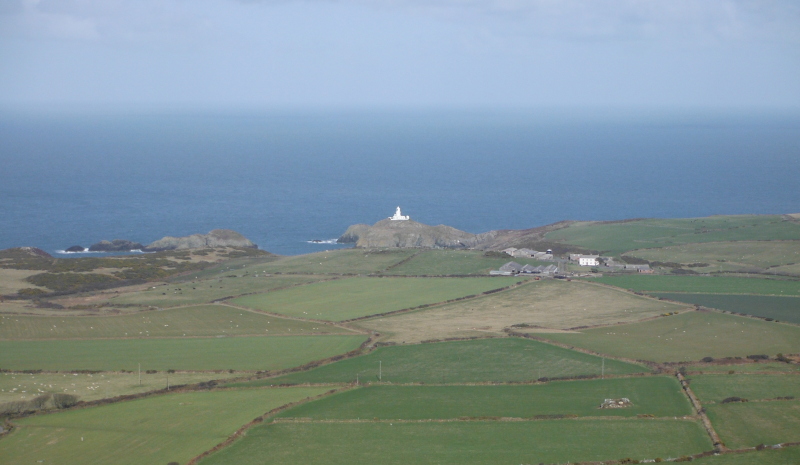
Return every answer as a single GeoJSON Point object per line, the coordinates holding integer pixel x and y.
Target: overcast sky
{"type": "Point", "coordinates": [362, 53]}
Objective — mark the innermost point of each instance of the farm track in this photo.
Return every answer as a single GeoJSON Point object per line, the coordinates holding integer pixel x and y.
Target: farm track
{"type": "Point", "coordinates": [712, 433]}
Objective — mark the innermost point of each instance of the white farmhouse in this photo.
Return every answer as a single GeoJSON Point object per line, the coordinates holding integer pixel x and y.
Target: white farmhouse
{"type": "Point", "coordinates": [588, 260]}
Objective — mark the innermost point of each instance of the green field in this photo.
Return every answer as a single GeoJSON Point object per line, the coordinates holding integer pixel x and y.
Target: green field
{"type": "Point", "coordinates": [344, 299]}
{"type": "Point", "coordinates": [659, 396]}
{"type": "Point", "coordinates": [688, 337]}
{"type": "Point", "coordinates": [483, 360]}
{"type": "Point", "coordinates": [92, 386]}
{"type": "Point", "coordinates": [741, 368]}
{"type": "Point", "coordinates": [228, 284]}
{"type": "Point", "coordinates": [455, 262]}
{"type": "Point", "coordinates": [779, 308]}
{"type": "Point", "coordinates": [752, 423]}
{"type": "Point", "coordinates": [616, 238]}
{"type": "Point", "coordinates": [235, 353]}
{"type": "Point", "coordinates": [464, 442]}
{"type": "Point", "coordinates": [201, 320]}
{"type": "Point", "coordinates": [154, 430]}
{"type": "Point", "coordinates": [343, 261]}
{"type": "Point", "coordinates": [727, 256]}
{"type": "Point", "coordinates": [784, 456]}
{"type": "Point", "coordinates": [703, 284]}
{"type": "Point", "coordinates": [715, 388]}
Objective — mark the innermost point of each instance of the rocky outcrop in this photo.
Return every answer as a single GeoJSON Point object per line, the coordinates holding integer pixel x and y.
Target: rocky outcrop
{"type": "Point", "coordinates": [24, 252]}
{"type": "Point", "coordinates": [75, 248]}
{"type": "Point", "coordinates": [353, 233]}
{"type": "Point", "coordinates": [117, 245]}
{"type": "Point", "coordinates": [215, 238]}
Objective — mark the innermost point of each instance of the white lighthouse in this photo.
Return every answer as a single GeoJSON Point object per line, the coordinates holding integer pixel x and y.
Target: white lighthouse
{"type": "Point", "coordinates": [399, 216]}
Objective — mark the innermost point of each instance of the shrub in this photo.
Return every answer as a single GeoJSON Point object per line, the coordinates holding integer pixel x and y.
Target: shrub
{"type": "Point", "coordinates": [729, 400]}
{"type": "Point", "coordinates": [758, 357]}
{"type": "Point", "coordinates": [64, 400]}
{"type": "Point", "coordinates": [707, 359]}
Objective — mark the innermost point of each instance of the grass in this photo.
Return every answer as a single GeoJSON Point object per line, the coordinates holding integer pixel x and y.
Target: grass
{"type": "Point", "coordinates": [455, 262]}
{"type": "Point", "coordinates": [546, 303]}
{"type": "Point", "coordinates": [203, 291]}
{"type": "Point", "coordinates": [201, 320]}
{"type": "Point", "coordinates": [484, 360]}
{"type": "Point", "coordinates": [779, 308]}
{"type": "Point", "coordinates": [616, 238]}
{"type": "Point", "coordinates": [715, 388]}
{"type": "Point", "coordinates": [744, 366]}
{"type": "Point", "coordinates": [236, 353]}
{"type": "Point", "coordinates": [688, 337]}
{"type": "Point", "coordinates": [154, 430]}
{"type": "Point", "coordinates": [356, 297]}
{"type": "Point", "coordinates": [728, 256]}
{"type": "Point", "coordinates": [783, 456]}
{"type": "Point", "coordinates": [703, 284]}
{"type": "Point", "coordinates": [343, 261]}
{"type": "Point", "coordinates": [659, 396]}
{"type": "Point", "coordinates": [24, 386]}
{"type": "Point", "coordinates": [752, 423]}
{"type": "Point", "coordinates": [463, 443]}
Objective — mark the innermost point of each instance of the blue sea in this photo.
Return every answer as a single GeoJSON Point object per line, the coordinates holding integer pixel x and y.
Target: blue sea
{"type": "Point", "coordinates": [284, 178]}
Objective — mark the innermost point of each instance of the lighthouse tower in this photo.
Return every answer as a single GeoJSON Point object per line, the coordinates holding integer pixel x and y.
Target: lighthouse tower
{"type": "Point", "coordinates": [399, 216]}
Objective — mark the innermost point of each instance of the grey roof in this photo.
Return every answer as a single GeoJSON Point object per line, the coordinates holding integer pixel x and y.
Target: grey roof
{"type": "Point", "coordinates": [511, 266]}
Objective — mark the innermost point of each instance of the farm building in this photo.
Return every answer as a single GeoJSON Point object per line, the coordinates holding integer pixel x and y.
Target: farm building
{"type": "Point", "coordinates": [510, 251]}
{"type": "Point", "coordinates": [588, 260]}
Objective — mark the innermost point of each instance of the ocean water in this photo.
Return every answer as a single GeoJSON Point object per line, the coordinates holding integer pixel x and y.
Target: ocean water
{"type": "Point", "coordinates": [283, 178]}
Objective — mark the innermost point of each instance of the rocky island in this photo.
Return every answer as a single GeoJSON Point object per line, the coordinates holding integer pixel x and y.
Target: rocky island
{"type": "Point", "coordinates": [215, 238]}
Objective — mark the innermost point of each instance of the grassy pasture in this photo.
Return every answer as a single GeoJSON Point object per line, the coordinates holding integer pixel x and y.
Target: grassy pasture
{"type": "Point", "coordinates": [201, 320]}
{"type": "Point", "coordinates": [455, 262]}
{"type": "Point", "coordinates": [703, 284]}
{"type": "Point", "coordinates": [24, 386]}
{"type": "Point", "coordinates": [547, 303]}
{"type": "Point", "coordinates": [727, 256]}
{"type": "Point", "coordinates": [197, 354]}
{"type": "Point", "coordinates": [616, 238]}
{"type": "Point", "coordinates": [779, 308]}
{"type": "Point", "coordinates": [659, 396]}
{"type": "Point", "coordinates": [13, 280]}
{"type": "Point", "coordinates": [714, 388]}
{"type": "Point", "coordinates": [343, 299]}
{"type": "Point", "coordinates": [506, 359]}
{"type": "Point", "coordinates": [688, 337]}
{"type": "Point", "coordinates": [204, 291]}
{"type": "Point", "coordinates": [463, 443]}
{"type": "Point", "coordinates": [785, 456]}
{"type": "Point", "coordinates": [155, 430]}
{"type": "Point", "coordinates": [752, 423]}
{"type": "Point", "coordinates": [343, 261]}
{"type": "Point", "coordinates": [741, 368]}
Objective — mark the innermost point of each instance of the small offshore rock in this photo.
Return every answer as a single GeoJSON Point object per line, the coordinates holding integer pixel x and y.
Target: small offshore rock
{"type": "Point", "coordinates": [75, 248]}
{"type": "Point", "coordinates": [117, 245]}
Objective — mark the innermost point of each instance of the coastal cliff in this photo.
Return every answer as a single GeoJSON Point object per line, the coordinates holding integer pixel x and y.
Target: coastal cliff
{"type": "Point", "coordinates": [388, 233]}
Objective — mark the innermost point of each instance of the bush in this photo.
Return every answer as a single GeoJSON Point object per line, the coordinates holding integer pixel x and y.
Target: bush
{"type": "Point", "coordinates": [729, 400]}
{"type": "Point", "coordinates": [707, 359]}
{"type": "Point", "coordinates": [64, 400]}
{"type": "Point", "coordinates": [758, 357]}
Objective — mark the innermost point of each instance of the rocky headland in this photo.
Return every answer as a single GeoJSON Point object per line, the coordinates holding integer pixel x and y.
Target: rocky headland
{"type": "Point", "coordinates": [215, 238]}
{"type": "Point", "coordinates": [388, 234]}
